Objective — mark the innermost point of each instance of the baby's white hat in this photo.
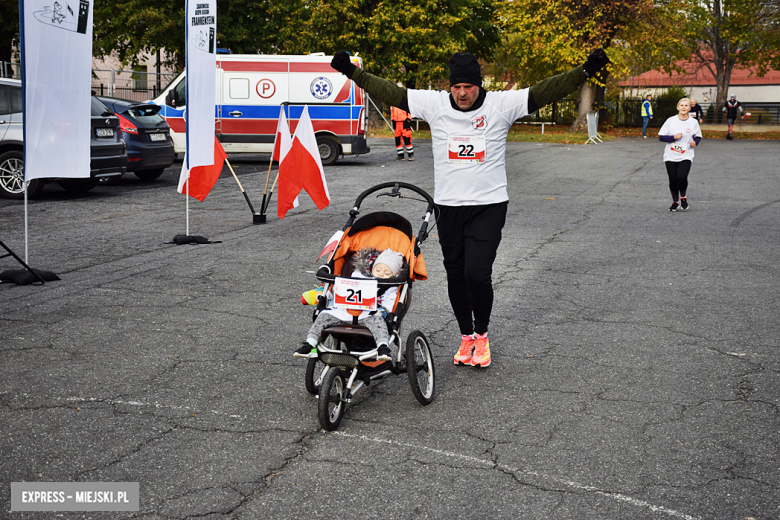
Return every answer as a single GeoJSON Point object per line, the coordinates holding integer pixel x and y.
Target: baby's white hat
{"type": "Point", "coordinates": [391, 259]}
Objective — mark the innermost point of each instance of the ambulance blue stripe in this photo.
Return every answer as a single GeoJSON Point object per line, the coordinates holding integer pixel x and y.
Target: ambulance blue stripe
{"type": "Point", "coordinates": [272, 112]}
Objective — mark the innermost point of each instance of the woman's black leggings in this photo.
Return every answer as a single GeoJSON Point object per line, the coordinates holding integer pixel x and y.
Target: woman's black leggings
{"type": "Point", "coordinates": [678, 178]}
{"type": "Point", "coordinates": [469, 237]}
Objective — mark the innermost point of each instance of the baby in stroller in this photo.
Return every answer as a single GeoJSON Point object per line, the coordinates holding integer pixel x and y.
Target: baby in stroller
{"type": "Point", "coordinates": [366, 263]}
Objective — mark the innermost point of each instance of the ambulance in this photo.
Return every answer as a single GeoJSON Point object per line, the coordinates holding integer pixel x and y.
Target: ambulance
{"type": "Point", "coordinates": [252, 88]}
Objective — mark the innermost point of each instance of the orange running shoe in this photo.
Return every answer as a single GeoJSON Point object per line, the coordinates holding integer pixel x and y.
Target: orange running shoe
{"type": "Point", "coordinates": [481, 357]}
{"type": "Point", "coordinates": [463, 357]}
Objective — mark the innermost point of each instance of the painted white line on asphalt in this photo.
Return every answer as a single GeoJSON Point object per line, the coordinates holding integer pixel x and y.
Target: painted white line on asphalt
{"type": "Point", "coordinates": [574, 485]}
{"type": "Point", "coordinates": [139, 403]}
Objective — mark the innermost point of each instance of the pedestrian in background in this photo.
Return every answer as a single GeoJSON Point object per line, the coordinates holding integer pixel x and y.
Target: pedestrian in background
{"type": "Point", "coordinates": [696, 112]}
{"type": "Point", "coordinates": [402, 127]}
{"type": "Point", "coordinates": [680, 135]}
{"type": "Point", "coordinates": [647, 114]}
{"type": "Point", "coordinates": [733, 108]}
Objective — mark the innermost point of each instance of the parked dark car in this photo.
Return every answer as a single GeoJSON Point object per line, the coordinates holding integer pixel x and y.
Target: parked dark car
{"type": "Point", "coordinates": [108, 153]}
{"type": "Point", "coordinates": [146, 134]}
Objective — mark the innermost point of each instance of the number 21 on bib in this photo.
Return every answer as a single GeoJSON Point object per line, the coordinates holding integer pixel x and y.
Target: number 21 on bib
{"type": "Point", "coordinates": [467, 149]}
{"type": "Point", "coordinates": [350, 293]}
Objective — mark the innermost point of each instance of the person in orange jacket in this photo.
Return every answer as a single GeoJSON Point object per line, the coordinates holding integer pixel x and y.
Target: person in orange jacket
{"type": "Point", "coordinates": [402, 126]}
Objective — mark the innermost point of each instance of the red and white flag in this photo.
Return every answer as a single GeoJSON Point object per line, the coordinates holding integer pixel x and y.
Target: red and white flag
{"type": "Point", "coordinates": [289, 180]}
{"type": "Point", "coordinates": [202, 178]}
{"type": "Point", "coordinates": [307, 155]}
{"type": "Point", "coordinates": [332, 244]}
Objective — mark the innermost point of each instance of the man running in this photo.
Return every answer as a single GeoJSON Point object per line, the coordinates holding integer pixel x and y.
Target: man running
{"type": "Point", "coordinates": [733, 108]}
{"type": "Point", "coordinates": [469, 127]}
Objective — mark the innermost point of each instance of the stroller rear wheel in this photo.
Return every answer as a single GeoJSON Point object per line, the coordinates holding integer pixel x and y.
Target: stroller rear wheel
{"type": "Point", "coordinates": [419, 366]}
{"type": "Point", "coordinates": [331, 405]}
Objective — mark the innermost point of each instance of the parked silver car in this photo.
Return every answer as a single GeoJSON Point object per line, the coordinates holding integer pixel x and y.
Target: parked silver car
{"type": "Point", "coordinates": [108, 151]}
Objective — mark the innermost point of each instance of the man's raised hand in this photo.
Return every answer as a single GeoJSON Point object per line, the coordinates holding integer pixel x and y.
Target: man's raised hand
{"type": "Point", "coordinates": [596, 61]}
{"type": "Point", "coordinates": [342, 63]}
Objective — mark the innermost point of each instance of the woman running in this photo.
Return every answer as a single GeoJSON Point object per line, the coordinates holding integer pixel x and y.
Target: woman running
{"type": "Point", "coordinates": [680, 135]}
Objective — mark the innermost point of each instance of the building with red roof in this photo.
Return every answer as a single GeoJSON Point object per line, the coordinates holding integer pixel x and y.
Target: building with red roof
{"type": "Point", "coordinates": [699, 82]}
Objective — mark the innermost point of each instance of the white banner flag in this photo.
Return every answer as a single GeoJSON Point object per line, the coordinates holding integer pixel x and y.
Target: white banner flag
{"type": "Point", "coordinates": [201, 81]}
{"type": "Point", "coordinates": [56, 45]}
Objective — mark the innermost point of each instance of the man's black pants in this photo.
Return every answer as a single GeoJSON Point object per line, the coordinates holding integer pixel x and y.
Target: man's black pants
{"type": "Point", "coordinates": [469, 237]}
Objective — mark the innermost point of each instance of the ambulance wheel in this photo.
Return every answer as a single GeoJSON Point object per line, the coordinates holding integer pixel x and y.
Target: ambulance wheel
{"type": "Point", "coordinates": [419, 366]}
{"type": "Point", "coordinates": [330, 407]}
{"type": "Point", "coordinates": [12, 177]}
{"type": "Point", "coordinates": [329, 150]}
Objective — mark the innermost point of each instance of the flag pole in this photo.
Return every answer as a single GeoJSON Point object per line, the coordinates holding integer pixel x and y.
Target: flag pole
{"type": "Point", "coordinates": [187, 205]}
{"type": "Point", "coordinates": [267, 178]}
{"type": "Point", "coordinates": [257, 218]}
{"type": "Point", "coordinates": [271, 194]}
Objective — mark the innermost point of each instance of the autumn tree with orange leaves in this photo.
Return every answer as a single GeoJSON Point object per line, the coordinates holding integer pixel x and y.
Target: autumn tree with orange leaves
{"type": "Point", "coordinates": [547, 37]}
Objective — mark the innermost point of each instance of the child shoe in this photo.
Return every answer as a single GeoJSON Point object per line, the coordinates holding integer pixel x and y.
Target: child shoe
{"type": "Point", "coordinates": [463, 356]}
{"type": "Point", "coordinates": [481, 357]}
{"type": "Point", "coordinates": [306, 351]}
{"type": "Point", "coordinates": [383, 353]}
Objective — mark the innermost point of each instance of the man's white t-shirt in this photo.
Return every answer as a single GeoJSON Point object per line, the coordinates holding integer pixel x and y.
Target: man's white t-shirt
{"type": "Point", "coordinates": [681, 149]}
{"type": "Point", "coordinates": [469, 148]}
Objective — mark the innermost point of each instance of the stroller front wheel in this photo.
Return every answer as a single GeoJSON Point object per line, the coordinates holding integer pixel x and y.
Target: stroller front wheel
{"type": "Point", "coordinates": [316, 369]}
{"type": "Point", "coordinates": [419, 366]}
{"type": "Point", "coordinates": [331, 404]}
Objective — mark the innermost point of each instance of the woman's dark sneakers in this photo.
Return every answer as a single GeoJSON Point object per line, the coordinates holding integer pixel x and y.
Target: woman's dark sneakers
{"type": "Point", "coordinates": [674, 206]}
{"type": "Point", "coordinates": [683, 203]}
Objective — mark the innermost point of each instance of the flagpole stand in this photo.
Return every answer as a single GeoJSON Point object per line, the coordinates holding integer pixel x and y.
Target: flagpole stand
{"type": "Point", "coordinates": [257, 218]}
{"type": "Point", "coordinates": [25, 276]}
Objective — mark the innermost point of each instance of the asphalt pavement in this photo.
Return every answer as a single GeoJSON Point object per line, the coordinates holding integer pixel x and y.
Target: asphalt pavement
{"type": "Point", "coordinates": [636, 351]}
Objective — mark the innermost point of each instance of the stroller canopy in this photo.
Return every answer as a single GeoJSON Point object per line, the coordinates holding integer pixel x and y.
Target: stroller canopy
{"type": "Point", "coordinates": [381, 230]}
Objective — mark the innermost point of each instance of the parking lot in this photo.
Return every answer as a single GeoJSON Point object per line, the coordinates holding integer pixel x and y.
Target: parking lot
{"type": "Point", "coordinates": [636, 352]}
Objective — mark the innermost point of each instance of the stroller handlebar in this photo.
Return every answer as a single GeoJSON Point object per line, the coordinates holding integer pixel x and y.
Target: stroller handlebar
{"type": "Point", "coordinates": [396, 192]}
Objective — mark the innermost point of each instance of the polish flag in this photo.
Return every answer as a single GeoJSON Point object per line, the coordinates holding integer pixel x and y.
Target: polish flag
{"type": "Point", "coordinates": [290, 184]}
{"type": "Point", "coordinates": [202, 178]}
{"type": "Point", "coordinates": [282, 134]}
{"type": "Point", "coordinates": [307, 155]}
{"type": "Point", "coordinates": [332, 244]}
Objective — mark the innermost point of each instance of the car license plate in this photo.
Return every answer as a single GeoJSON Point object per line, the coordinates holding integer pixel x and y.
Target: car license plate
{"type": "Point", "coordinates": [157, 137]}
{"type": "Point", "coordinates": [105, 132]}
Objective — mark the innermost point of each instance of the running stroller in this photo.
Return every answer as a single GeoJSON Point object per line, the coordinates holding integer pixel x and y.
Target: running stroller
{"type": "Point", "coordinates": [347, 354]}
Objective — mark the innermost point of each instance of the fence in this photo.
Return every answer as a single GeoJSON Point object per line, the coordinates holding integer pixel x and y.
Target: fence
{"type": "Point", "coordinates": [628, 112]}
{"type": "Point", "coordinates": [10, 70]}
{"type": "Point", "coordinates": [129, 84]}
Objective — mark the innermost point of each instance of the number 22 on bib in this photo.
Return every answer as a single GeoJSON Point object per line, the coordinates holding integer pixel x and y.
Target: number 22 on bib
{"type": "Point", "coordinates": [466, 149]}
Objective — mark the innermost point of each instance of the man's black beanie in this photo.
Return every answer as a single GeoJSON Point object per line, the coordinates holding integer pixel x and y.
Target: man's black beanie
{"type": "Point", "coordinates": [464, 68]}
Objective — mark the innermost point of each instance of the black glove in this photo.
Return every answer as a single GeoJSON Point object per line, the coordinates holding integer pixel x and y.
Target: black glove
{"type": "Point", "coordinates": [597, 60]}
{"type": "Point", "coordinates": [342, 63]}
{"type": "Point", "coordinates": [407, 123]}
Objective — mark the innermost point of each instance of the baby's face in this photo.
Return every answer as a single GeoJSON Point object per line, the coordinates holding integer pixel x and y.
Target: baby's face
{"type": "Point", "coordinates": [381, 271]}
